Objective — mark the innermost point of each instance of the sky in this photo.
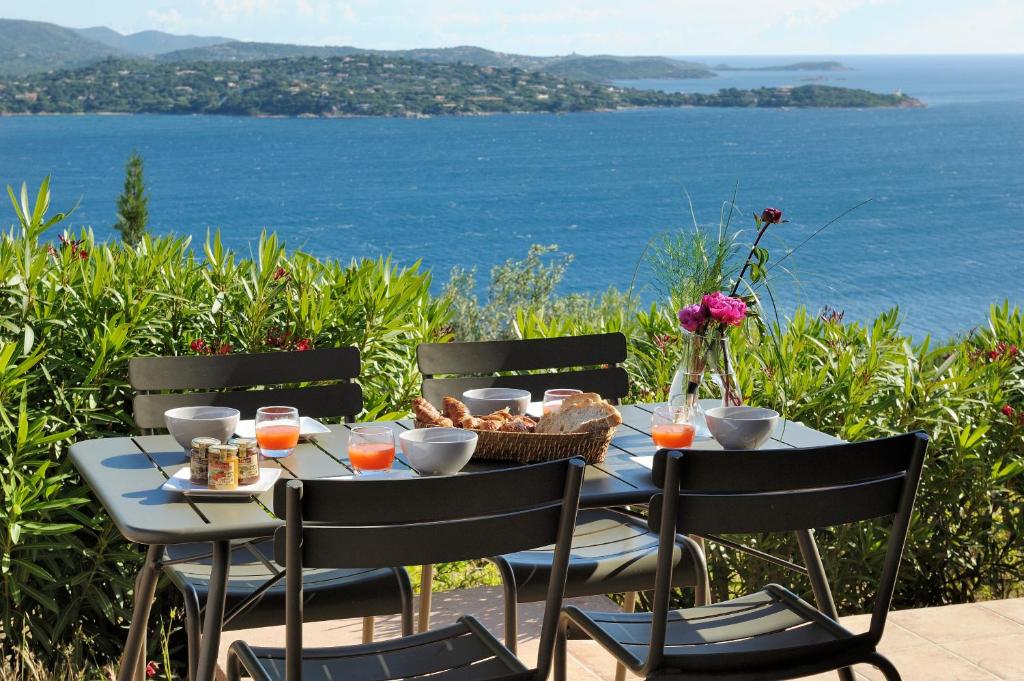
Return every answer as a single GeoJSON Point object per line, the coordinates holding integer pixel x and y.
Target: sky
{"type": "Point", "coordinates": [542, 27]}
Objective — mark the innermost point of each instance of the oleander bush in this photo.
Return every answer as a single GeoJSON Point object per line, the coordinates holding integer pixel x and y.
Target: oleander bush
{"type": "Point", "coordinates": [72, 311]}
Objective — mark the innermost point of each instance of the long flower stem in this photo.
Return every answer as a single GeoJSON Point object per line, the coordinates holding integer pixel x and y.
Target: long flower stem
{"type": "Point", "coordinates": [746, 263]}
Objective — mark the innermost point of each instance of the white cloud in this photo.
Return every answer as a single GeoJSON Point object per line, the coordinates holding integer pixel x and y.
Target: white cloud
{"type": "Point", "coordinates": [169, 19]}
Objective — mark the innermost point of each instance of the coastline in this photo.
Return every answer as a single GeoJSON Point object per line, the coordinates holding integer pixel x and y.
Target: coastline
{"type": "Point", "coordinates": [912, 104]}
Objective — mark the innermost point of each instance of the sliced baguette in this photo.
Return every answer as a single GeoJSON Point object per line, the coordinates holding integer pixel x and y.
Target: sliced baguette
{"type": "Point", "coordinates": [580, 416]}
{"type": "Point", "coordinates": [581, 400]}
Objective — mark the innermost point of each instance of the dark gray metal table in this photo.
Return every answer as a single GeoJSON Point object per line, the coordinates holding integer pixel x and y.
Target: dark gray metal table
{"type": "Point", "coordinates": [126, 474]}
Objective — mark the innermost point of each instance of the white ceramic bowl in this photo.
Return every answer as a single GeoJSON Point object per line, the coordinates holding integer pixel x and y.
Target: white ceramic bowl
{"type": "Point", "coordinates": [741, 427]}
{"type": "Point", "coordinates": [483, 401]}
{"type": "Point", "coordinates": [438, 451]}
{"type": "Point", "coordinates": [185, 423]}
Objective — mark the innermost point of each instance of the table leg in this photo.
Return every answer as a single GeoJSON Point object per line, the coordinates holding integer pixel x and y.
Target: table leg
{"type": "Point", "coordinates": [628, 605]}
{"type": "Point", "coordinates": [426, 589]}
{"type": "Point", "coordinates": [819, 583]}
{"type": "Point", "coordinates": [214, 619]}
{"type": "Point", "coordinates": [145, 590]}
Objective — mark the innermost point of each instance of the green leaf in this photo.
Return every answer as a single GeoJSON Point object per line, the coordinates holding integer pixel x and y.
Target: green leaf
{"type": "Point", "coordinates": [30, 339]}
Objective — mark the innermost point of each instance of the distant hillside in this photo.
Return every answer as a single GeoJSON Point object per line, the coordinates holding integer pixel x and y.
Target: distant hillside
{"type": "Point", "coordinates": [365, 85]}
{"type": "Point", "coordinates": [798, 66]}
{"type": "Point", "coordinates": [30, 46]}
{"type": "Point", "coordinates": [603, 67]}
{"type": "Point", "coordinates": [147, 43]}
{"type": "Point", "coordinates": [252, 51]}
{"type": "Point", "coordinates": [577, 67]}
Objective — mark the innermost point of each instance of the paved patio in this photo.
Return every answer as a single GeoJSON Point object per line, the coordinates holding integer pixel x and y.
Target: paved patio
{"type": "Point", "coordinates": [975, 642]}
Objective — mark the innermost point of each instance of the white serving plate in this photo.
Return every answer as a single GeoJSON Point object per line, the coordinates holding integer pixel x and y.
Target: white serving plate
{"type": "Point", "coordinates": [180, 483]}
{"type": "Point", "coordinates": [535, 410]}
{"type": "Point", "coordinates": [309, 428]}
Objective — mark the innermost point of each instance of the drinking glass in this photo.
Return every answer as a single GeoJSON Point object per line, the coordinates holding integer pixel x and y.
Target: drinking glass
{"type": "Point", "coordinates": [277, 430]}
{"type": "Point", "coordinates": [553, 398]}
{"type": "Point", "coordinates": [672, 426]}
{"type": "Point", "coordinates": [371, 448]}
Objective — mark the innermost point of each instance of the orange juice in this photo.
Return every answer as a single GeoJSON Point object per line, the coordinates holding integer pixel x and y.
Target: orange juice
{"type": "Point", "coordinates": [277, 438]}
{"type": "Point", "coordinates": [371, 456]}
{"type": "Point", "coordinates": [672, 435]}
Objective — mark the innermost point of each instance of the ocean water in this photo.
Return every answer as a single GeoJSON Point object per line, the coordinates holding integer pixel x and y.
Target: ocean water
{"type": "Point", "coordinates": [942, 237]}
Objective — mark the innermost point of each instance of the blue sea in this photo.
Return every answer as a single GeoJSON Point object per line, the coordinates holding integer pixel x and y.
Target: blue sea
{"type": "Point", "coordinates": [942, 237]}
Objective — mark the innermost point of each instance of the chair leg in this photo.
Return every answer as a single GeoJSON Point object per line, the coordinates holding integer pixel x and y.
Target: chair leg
{"type": "Point", "coordinates": [193, 634]}
{"type": "Point", "coordinates": [511, 592]}
{"type": "Point", "coordinates": [882, 664]}
{"type": "Point", "coordinates": [702, 589]}
{"type": "Point", "coordinates": [426, 586]}
{"type": "Point", "coordinates": [234, 667]}
{"type": "Point", "coordinates": [560, 653]}
{"type": "Point", "coordinates": [405, 590]}
{"type": "Point", "coordinates": [629, 605]}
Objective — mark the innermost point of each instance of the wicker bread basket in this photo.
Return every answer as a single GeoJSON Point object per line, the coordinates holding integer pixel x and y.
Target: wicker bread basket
{"type": "Point", "coordinates": [495, 445]}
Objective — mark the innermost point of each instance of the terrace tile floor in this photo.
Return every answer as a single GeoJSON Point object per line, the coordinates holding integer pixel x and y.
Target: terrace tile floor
{"type": "Point", "coordinates": [973, 642]}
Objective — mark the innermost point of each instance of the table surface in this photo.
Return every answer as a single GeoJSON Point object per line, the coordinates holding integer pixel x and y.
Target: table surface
{"type": "Point", "coordinates": [126, 474]}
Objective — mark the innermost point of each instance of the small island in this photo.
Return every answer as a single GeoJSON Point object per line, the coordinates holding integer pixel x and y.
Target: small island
{"type": "Point", "coordinates": [798, 66]}
{"type": "Point", "coordinates": [368, 85]}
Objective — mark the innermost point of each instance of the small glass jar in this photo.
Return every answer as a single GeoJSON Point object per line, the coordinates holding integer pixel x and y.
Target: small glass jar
{"type": "Point", "coordinates": [223, 467]}
{"type": "Point", "coordinates": [198, 459]}
{"type": "Point", "coordinates": [248, 460]}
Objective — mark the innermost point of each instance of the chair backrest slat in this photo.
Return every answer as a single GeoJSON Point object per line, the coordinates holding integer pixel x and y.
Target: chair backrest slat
{"type": "Point", "coordinates": [790, 469]}
{"type": "Point", "coordinates": [221, 380]}
{"type": "Point", "coordinates": [387, 501]}
{"type": "Point", "coordinates": [784, 511]}
{"type": "Point", "coordinates": [611, 383]}
{"type": "Point", "coordinates": [318, 401]}
{"type": "Point", "coordinates": [425, 543]}
{"type": "Point", "coordinates": [521, 355]}
{"type": "Point", "coordinates": [473, 365]}
{"type": "Point", "coordinates": [242, 370]}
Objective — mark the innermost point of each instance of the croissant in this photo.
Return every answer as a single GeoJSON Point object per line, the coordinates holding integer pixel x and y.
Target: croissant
{"type": "Point", "coordinates": [426, 413]}
{"type": "Point", "coordinates": [455, 410]}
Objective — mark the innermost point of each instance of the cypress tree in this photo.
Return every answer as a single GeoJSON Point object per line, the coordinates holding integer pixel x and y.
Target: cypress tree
{"type": "Point", "coordinates": [132, 205]}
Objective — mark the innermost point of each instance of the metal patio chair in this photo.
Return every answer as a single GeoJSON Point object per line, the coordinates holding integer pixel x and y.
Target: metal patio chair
{"type": "Point", "coordinates": [256, 595]}
{"type": "Point", "coordinates": [772, 634]}
{"type": "Point", "coordinates": [612, 551]}
{"type": "Point", "coordinates": [359, 523]}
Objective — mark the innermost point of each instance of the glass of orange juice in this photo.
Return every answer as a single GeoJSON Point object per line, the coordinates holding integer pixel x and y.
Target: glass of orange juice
{"type": "Point", "coordinates": [277, 430]}
{"type": "Point", "coordinates": [553, 398]}
{"type": "Point", "coordinates": [371, 448]}
{"type": "Point", "coordinates": [671, 427]}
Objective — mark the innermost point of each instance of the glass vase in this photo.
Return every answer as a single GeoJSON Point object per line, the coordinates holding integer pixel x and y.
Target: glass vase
{"type": "Point", "coordinates": [704, 356]}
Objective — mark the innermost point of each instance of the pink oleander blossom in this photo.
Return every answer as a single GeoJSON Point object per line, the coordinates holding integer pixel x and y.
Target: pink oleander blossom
{"type": "Point", "coordinates": [725, 309]}
{"type": "Point", "coordinates": [692, 316]}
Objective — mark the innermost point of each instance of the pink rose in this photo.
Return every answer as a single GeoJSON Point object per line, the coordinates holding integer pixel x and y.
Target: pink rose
{"type": "Point", "coordinates": [692, 316]}
{"type": "Point", "coordinates": [725, 309]}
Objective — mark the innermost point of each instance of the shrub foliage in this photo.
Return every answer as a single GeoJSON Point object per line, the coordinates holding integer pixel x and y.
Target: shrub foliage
{"type": "Point", "coordinates": [73, 311]}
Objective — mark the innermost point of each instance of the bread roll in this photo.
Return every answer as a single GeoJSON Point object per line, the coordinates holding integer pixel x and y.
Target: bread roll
{"type": "Point", "coordinates": [581, 414]}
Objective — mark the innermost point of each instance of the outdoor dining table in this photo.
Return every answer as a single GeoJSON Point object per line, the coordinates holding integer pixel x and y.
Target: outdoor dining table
{"type": "Point", "coordinates": [126, 474]}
